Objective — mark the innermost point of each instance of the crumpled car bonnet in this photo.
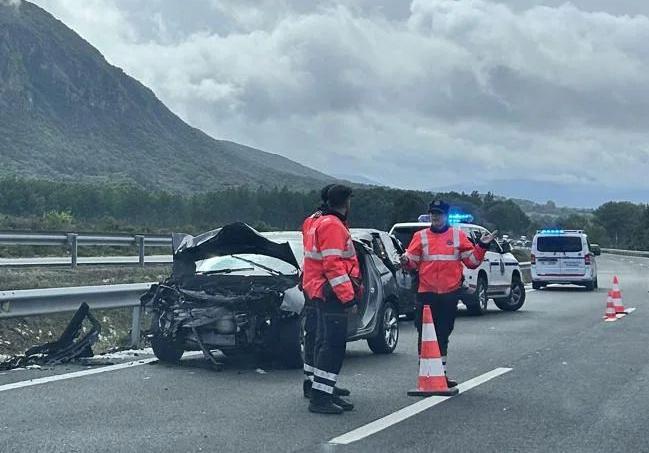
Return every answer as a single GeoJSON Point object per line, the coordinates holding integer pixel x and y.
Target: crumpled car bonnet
{"type": "Point", "coordinates": [231, 239]}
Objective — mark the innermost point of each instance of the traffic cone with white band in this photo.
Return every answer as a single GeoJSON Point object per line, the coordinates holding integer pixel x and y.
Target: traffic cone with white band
{"type": "Point", "coordinates": [610, 309]}
{"type": "Point", "coordinates": [432, 379]}
{"type": "Point", "coordinates": [616, 294]}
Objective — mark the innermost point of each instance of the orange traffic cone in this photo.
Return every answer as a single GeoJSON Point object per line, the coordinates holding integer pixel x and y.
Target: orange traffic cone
{"type": "Point", "coordinates": [616, 295]}
{"type": "Point", "coordinates": [432, 379]}
{"type": "Point", "coordinates": [610, 309]}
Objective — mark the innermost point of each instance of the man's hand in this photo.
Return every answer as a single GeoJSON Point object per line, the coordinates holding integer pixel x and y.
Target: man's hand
{"type": "Point", "coordinates": [488, 238]}
{"type": "Point", "coordinates": [403, 259]}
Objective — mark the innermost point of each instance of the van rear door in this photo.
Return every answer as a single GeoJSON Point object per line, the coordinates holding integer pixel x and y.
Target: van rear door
{"type": "Point", "coordinates": [560, 255]}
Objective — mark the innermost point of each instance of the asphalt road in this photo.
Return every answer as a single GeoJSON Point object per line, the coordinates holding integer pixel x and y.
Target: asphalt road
{"type": "Point", "coordinates": [576, 384]}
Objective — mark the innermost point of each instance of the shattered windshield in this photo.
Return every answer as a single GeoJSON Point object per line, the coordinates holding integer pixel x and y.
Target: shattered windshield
{"type": "Point", "coordinates": [252, 261]}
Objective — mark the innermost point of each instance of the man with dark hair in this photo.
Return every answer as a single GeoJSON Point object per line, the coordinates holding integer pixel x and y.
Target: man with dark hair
{"type": "Point", "coordinates": [332, 280]}
{"type": "Point", "coordinates": [438, 253]}
{"type": "Point", "coordinates": [310, 312]}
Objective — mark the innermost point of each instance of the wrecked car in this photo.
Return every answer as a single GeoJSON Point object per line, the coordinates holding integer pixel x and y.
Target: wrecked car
{"type": "Point", "coordinates": [237, 290]}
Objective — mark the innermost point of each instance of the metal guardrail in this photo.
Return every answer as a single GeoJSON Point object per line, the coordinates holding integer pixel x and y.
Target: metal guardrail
{"type": "Point", "coordinates": [30, 302]}
{"type": "Point", "coordinates": [638, 253]}
{"type": "Point", "coordinates": [74, 240]}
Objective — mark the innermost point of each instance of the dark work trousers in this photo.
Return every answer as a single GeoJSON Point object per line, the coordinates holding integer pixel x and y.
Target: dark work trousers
{"type": "Point", "coordinates": [331, 344]}
{"type": "Point", "coordinates": [310, 334]}
{"type": "Point", "coordinates": [444, 309]}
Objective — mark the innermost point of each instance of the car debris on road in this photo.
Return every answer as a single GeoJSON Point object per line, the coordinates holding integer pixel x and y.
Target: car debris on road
{"type": "Point", "coordinates": [70, 346]}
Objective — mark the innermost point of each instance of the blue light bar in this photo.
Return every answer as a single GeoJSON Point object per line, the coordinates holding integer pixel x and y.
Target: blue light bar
{"type": "Point", "coordinates": [457, 217]}
{"type": "Point", "coordinates": [551, 231]}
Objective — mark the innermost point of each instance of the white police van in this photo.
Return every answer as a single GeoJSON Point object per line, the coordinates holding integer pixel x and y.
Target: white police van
{"type": "Point", "coordinates": [499, 277]}
{"type": "Point", "coordinates": [565, 257]}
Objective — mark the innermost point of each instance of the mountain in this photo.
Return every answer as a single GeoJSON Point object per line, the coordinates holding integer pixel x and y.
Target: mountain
{"type": "Point", "coordinates": [65, 113]}
{"type": "Point", "coordinates": [577, 195]}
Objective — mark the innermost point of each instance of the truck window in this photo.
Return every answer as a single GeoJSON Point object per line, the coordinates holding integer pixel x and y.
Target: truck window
{"type": "Point", "coordinates": [559, 244]}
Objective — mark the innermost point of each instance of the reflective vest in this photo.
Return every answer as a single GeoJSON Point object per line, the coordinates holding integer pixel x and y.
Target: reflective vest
{"type": "Point", "coordinates": [329, 257]}
{"type": "Point", "coordinates": [439, 258]}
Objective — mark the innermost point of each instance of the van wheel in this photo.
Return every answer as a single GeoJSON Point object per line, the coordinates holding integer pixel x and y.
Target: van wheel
{"type": "Point", "coordinates": [536, 285]}
{"type": "Point", "coordinates": [387, 338]}
{"type": "Point", "coordinates": [477, 304]}
{"type": "Point", "coordinates": [590, 286]}
{"type": "Point", "coordinates": [516, 297]}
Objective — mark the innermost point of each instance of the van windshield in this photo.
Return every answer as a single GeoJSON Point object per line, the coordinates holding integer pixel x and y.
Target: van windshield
{"type": "Point", "coordinates": [559, 244]}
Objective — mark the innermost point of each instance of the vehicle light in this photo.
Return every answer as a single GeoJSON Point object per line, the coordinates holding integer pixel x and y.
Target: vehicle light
{"type": "Point", "coordinates": [533, 259]}
{"type": "Point", "coordinates": [552, 231]}
{"type": "Point", "coordinates": [458, 217]}
{"type": "Point", "coordinates": [587, 260]}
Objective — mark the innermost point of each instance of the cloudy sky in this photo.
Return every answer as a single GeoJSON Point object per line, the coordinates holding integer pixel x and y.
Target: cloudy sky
{"type": "Point", "coordinates": [426, 94]}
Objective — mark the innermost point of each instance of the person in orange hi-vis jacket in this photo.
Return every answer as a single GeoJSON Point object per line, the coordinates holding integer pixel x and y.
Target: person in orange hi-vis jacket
{"type": "Point", "coordinates": [331, 279]}
{"type": "Point", "coordinates": [439, 253]}
{"type": "Point", "coordinates": [310, 311]}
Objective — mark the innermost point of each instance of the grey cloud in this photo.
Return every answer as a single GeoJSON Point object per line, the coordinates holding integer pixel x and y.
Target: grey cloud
{"type": "Point", "coordinates": [436, 90]}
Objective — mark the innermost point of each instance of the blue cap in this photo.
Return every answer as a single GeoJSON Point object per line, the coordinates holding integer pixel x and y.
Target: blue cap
{"type": "Point", "coordinates": [438, 206]}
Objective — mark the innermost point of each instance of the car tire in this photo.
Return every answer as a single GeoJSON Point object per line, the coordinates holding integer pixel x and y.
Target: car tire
{"type": "Point", "coordinates": [596, 283]}
{"type": "Point", "coordinates": [476, 304]}
{"type": "Point", "coordinates": [387, 337]}
{"type": "Point", "coordinates": [289, 344]}
{"type": "Point", "coordinates": [590, 286]}
{"type": "Point", "coordinates": [516, 297]}
{"type": "Point", "coordinates": [536, 285]}
{"type": "Point", "coordinates": [165, 348]}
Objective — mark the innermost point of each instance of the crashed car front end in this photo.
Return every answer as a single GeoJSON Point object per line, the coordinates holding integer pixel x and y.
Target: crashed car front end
{"type": "Point", "coordinates": [228, 309]}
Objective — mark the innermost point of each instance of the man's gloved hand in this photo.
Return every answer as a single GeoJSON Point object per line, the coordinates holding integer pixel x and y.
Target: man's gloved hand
{"type": "Point", "coordinates": [488, 238]}
{"type": "Point", "coordinates": [403, 259]}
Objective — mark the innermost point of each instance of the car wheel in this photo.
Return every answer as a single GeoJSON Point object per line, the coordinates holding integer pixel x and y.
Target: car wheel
{"type": "Point", "coordinates": [590, 286]}
{"type": "Point", "coordinates": [596, 283]}
{"type": "Point", "coordinates": [387, 338]}
{"type": "Point", "coordinates": [166, 349]}
{"type": "Point", "coordinates": [516, 297]}
{"type": "Point", "coordinates": [477, 304]}
{"type": "Point", "coordinates": [289, 345]}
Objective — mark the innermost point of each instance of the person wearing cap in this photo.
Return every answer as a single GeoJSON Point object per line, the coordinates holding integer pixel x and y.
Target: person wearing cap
{"type": "Point", "coordinates": [438, 253]}
{"type": "Point", "coordinates": [310, 312]}
{"type": "Point", "coordinates": [331, 279]}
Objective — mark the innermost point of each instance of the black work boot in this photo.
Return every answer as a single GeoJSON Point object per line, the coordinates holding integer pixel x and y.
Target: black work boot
{"type": "Point", "coordinates": [451, 383]}
{"type": "Point", "coordinates": [322, 403]}
{"type": "Point", "coordinates": [340, 391]}
{"type": "Point", "coordinates": [346, 405]}
{"type": "Point", "coordinates": [306, 388]}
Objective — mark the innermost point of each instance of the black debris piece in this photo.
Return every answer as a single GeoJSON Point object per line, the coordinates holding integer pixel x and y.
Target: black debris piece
{"type": "Point", "coordinates": [70, 346]}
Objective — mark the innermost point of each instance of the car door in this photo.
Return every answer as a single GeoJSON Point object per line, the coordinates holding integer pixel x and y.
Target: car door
{"type": "Point", "coordinates": [496, 265]}
{"type": "Point", "coordinates": [406, 280]}
{"type": "Point", "coordinates": [374, 273]}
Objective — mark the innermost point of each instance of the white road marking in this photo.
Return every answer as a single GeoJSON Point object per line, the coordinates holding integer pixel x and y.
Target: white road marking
{"type": "Point", "coordinates": [628, 311]}
{"type": "Point", "coordinates": [409, 411]}
{"type": "Point", "coordinates": [76, 374]}
{"type": "Point", "coordinates": [88, 372]}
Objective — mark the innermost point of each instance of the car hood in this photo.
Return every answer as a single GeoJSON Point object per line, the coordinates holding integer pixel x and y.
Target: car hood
{"type": "Point", "coordinates": [231, 239]}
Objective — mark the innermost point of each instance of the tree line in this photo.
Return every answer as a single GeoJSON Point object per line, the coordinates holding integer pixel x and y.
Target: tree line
{"type": "Point", "coordinates": [32, 204]}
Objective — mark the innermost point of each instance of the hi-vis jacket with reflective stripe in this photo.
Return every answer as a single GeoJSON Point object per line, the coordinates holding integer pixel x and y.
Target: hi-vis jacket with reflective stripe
{"type": "Point", "coordinates": [439, 258]}
{"type": "Point", "coordinates": [329, 256]}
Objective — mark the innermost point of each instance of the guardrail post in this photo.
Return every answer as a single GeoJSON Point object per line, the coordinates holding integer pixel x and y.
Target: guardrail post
{"type": "Point", "coordinates": [135, 327]}
{"type": "Point", "coordinates": [72, 243]}
{"type": "Point", "coordinates": [139, 240]}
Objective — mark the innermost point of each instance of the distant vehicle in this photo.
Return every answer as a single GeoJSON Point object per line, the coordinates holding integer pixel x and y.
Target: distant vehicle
{"type": "Point", "coordinates": [237, 290]}
{"type": "Point", "coordinates": [499, 277]}
{"type": "Point", "coordinates": [564, 257]}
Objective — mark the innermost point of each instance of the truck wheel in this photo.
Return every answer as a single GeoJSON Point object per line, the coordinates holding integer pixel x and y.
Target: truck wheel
{"type": "Point", "coordinates": [387, 337]}
{"type": "Point", "coordinates": [166, 349]}
{"type": "Point", "coordinates": [516, 297]}
{"type": "Point", "coordinates": [477, 304]}
{"type": "Point", "coordinates": [289, 344]}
